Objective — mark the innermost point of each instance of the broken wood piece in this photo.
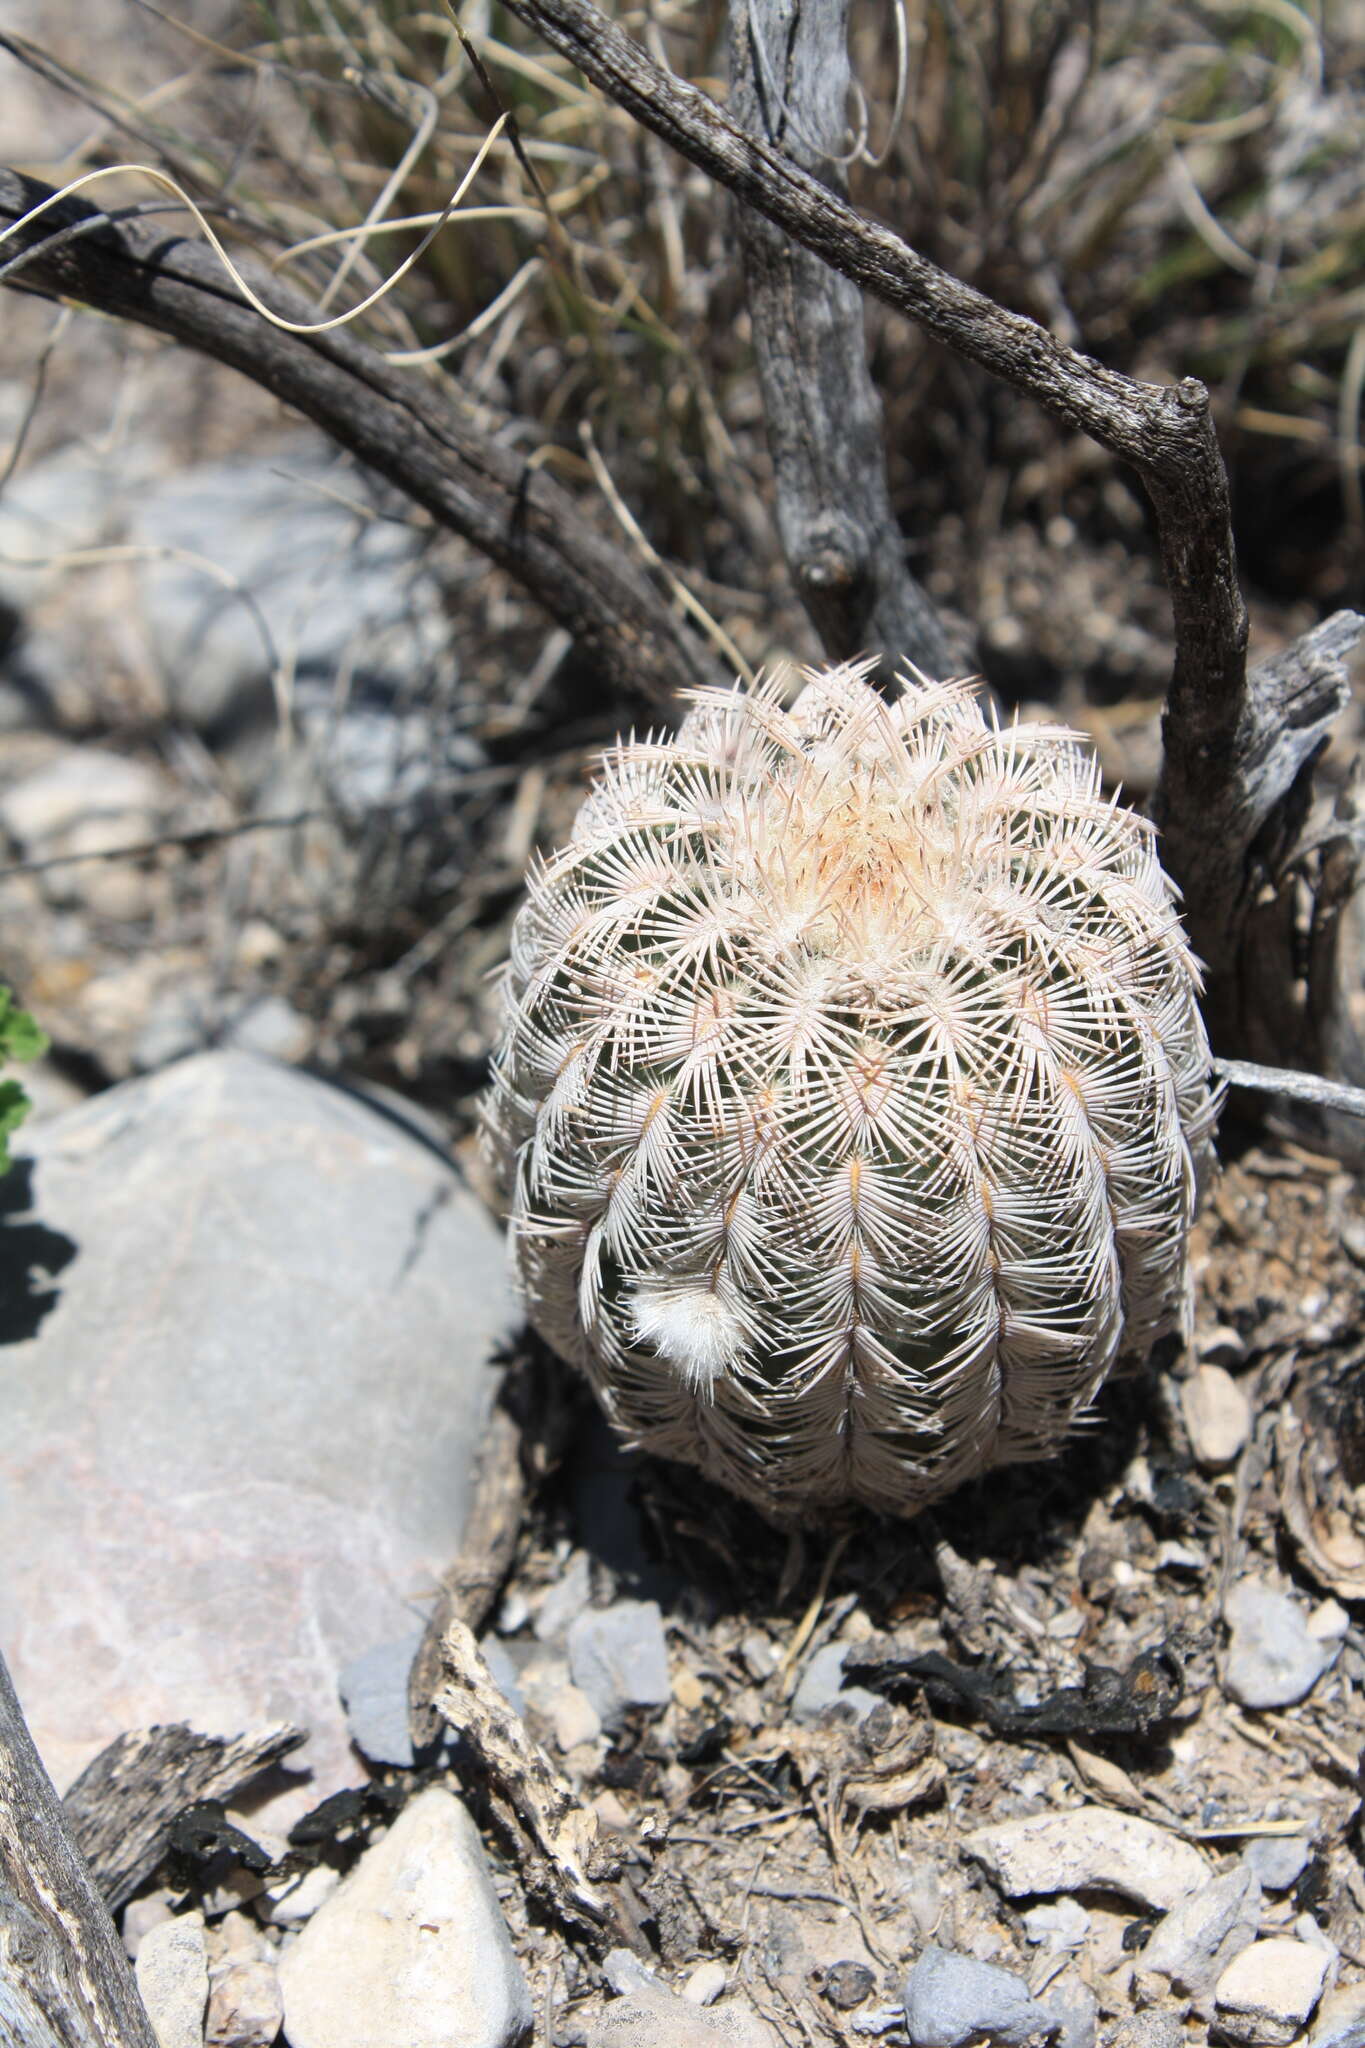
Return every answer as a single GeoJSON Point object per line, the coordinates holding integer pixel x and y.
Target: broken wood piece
{"type": "Point", "coordinates": [473, 1582]}
{"type": "Point", "coordinates": [121, 1807]}
{"type": "Point", "coordinates": [552, 1834]}
{"type": "Point", "coordinates": [64, 1979]}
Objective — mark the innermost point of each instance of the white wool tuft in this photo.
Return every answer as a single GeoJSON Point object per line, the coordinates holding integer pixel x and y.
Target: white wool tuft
{"type": "Point", "coordinates": [691, 1328]}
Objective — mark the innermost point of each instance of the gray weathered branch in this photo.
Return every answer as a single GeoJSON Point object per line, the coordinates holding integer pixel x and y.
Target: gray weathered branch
{"type": "Point", "coordinates": [389, 418]}
{"type": "Point", "coordinates": [1231, 812]}
{"type": "Point", "coordinates": [1165, 432]}
{"type": "Point", "coordinates": [789, 83]}
{"type": "Point", "coordinates": [121, 1807]}
{"type": "Point", "coordinates": [64, 1979]}
{"type": "Point", "coordinates": [1238, 748]}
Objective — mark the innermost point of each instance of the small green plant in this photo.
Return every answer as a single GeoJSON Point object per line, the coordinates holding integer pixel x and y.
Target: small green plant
{"type": "Point", "coordinates": [20, 1039]}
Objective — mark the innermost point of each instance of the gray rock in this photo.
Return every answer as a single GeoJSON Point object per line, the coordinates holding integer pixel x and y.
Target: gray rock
{"type": "Point", "coordinates": [1057, 1924]}
{"type": "Point", "coordinates": [1090, 1846]}
{"type": "Point", "coordinates": [952, 2000]}
{"type": "Point", "coordinates": [1273, 1659]}
{"type": "Point", "coordinates": [1277, 1860]}
{"type": "Point", "coordinates": [173, 1978]}
{"type": "Point", "coordinates": [1075, 2009]}
{"type": "Point", "coordinates": [1340, 2021]}
{"type": "Point", "coordinates": [1192, 1946]}
{"type": "Point", "coordinates": [1217, 1415]}
{"type": "Point", "coordinates": [241, 1417]}
{"type": "Point", "coordinates": [1267, 1994]}
{"type": "Point", "coordinates": [822, 1687]}
{"type": "Point", "coordinates": [246, 2006]}
{"type": "Point", "coordinates": [646, 2014]}
{"type": "Point", "coordinates": [618, 1657]}
{"type": "Point", "coordinates": [374, 1691]}
{"type": "Point", "coordinates": [317, 585]}
{"type": "Point", "coordinates": [565, 1600]}
{"type": "Point", "coordinates": [558, 1701]}
{"type": "Point", "coordinates": [411, 1950]}
{"type": "Point", "coordinates": [1147, 2030]}
{"type": "Point", "coordinates": [85, 800]}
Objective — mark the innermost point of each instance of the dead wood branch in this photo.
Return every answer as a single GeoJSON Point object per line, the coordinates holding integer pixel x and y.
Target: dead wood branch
{"type": "Point", "coordinates": [1238, 749]}
{"type": "Point", "coordinates": [1217, 799]}
{"type": "Point", "coordinates": [64, 1979]}
{"type": "Point", "coordinates": [392, 420]}
{"type": "Point", "coordinates": [472, 1584]}
{"type": "Point", "coordinates": [1164, 432]}
{"type": "Point", "coordinates": [790, 83]}
{"type": "Point", "coordinates": [552, 1834]}
{"type": "Point", "coordinates": [121, 1807]}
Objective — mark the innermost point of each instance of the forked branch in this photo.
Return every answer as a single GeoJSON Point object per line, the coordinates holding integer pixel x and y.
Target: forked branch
{"type": "Point", "coordinates": [1164, 432]}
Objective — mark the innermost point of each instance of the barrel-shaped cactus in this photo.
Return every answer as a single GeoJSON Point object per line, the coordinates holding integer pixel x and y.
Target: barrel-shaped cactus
{"type": "Point", "coordinates": [853, 1092]}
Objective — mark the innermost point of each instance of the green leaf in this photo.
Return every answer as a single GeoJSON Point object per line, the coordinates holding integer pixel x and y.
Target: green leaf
{"type": "Point", "coordinates": [20, 1039]}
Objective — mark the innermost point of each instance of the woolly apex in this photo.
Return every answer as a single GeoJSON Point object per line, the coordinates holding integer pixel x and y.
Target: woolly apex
{"type": "Point", "coordinates": [852, 1092]}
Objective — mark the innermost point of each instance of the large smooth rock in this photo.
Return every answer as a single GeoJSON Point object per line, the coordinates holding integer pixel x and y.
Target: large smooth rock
{"type": "Point", "coordinates": [239, 1428]}
{"type": "Point", "coordinates": [412, 1950]}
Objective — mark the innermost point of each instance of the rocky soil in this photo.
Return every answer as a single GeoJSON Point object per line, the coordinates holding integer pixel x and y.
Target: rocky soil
{"type": "Point", "coordinates": [1075, 1760]}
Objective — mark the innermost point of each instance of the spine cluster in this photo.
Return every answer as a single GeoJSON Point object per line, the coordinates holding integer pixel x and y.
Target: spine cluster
{"type": "Point", "coordinates": [853, 1092]}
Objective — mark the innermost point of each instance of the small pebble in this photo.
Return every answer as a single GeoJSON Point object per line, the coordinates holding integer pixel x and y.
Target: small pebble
{"type": "Point", "coordinates": [1089, 1847]}
{"type": "Point", "coordinates": [564, 1601]}
{"type": "Point", "coordinates": [688, 1691]}
{"type": "Point", "coordinates": [1267, 1994]}
{"type": "Point", "coordinates": [847, 1985]}
{"type": "Point", "coordinates": [705, 1984]}
{"type": "Point", "coordinates": [374, 1691]}
{"type": "Point", "coordinates": [411, 1950]}
{"type": "Point", "coordinates": [1340, 2021]}
{"type": "Point", "coordinates": [1328, 1622]}
{"type": "Point", "coordinates": [619, 1658]}
{"type": "Point", "coordinates": [173, 1977]}
{"type": "Point", "coordinates": [1217, 1415]}
{"type": "Point", "coordinates": [246, 2008]}
{"type": "Point", "coordinates": [760, 1655]}
{"type": "Point", "coordinates": [951, 2000]}
{"type": "Point", "coordinates": [1057, 1924]}
{"type": "Point", "coordinates": [1272, 1660]}
{"type": "Point", "coordinates": [822, 1686]}
{"type": "Point", "coordinates": [1277, 1860]}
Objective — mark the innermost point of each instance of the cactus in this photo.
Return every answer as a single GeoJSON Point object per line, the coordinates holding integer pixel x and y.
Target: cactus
{"type": "Point", "coordinates": [852, 1093]}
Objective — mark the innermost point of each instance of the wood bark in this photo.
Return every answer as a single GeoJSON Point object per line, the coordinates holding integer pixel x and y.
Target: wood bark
{"type": "Point", "coordinates": [64, 1979]}
{"type": "Point", "coordinates": [472, 1583]}
{"type": "Point", "coordinates": [392, 420]}
{"type": "Point", "coordinates": [1165, 432]}
{"type": "Point", "coordinates": [790, 85]}
{"type": "Point", "coordinates": [1239, 748]}
{"type": "Point", "coordinates": [121, 1807]}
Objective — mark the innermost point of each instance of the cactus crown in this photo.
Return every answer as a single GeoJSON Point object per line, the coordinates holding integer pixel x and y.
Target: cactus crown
{"type": "Point", "coordinates": [852, 1091]}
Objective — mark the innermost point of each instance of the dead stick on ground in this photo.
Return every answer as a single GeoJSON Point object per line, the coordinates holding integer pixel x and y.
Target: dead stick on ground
{"type": "Point", "coordinates": [472, 1584]}
{"type": "Point", "coordinates": [552, 1834]}
{"type": "Point", "coordinates": [64, 1979]}
{"type": "Point", "coordinates": [121, 1807]}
